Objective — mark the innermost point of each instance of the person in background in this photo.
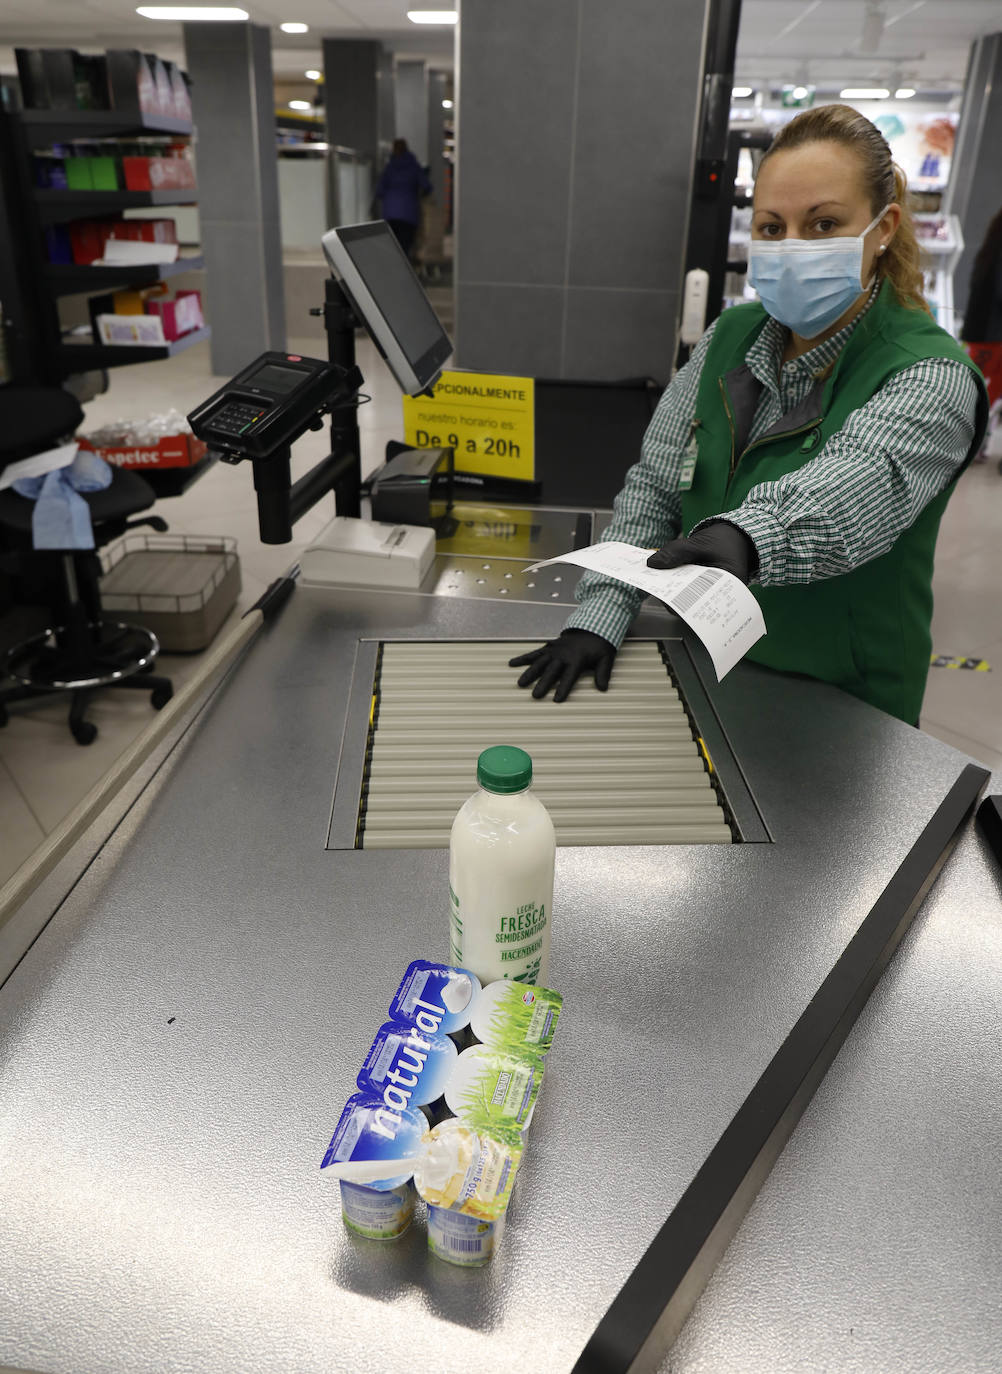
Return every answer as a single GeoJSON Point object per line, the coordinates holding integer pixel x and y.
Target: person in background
{"type": "Point", "coordinates": [810, 444]}
{"type": "Point", "coordinates": [982, 331]}
{"type": "Point", "coordinates": [402, 183]}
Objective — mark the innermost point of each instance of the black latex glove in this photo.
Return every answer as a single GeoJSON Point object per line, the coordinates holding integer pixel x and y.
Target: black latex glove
{"type": "Point", "coordinates": [563, 660]}
{"type": "Point", "coordinates": [717, 545]}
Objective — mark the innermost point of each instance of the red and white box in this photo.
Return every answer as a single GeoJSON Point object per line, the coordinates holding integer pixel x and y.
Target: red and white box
{"type": "Point", "coordinates": [174, 451]}
{"type": "Point", "coordinates": [158, 174]}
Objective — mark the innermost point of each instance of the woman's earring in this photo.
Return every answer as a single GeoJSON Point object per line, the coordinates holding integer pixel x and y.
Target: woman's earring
{"type": "Point", "coordinates": [882, 247]}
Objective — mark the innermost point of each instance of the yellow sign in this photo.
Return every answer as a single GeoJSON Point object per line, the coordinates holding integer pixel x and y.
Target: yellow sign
{"type": "Point", "coordinates": [489, 421]}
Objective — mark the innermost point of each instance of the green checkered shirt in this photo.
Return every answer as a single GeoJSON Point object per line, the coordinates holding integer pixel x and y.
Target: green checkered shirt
{"type": "Point", "coordinates": [844, 507]}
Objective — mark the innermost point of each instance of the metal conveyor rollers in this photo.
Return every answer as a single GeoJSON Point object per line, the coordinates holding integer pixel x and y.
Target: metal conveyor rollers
{"type": "Point", "coordinates": [614, 768]}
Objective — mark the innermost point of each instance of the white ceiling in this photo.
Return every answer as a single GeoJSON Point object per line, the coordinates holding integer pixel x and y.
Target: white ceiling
{"type": "Point", "coordinates": [906, 42]}
{"type": "Point", "coordinates": [921, 43]}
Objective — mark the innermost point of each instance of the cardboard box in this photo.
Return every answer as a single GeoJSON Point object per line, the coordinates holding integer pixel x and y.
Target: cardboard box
{"type": "Point", "coordinates": [92, 173]}
{"type": "Point", "coordinates": [58, 244]}
{"type": "Point", "coordinates": [179, 89]}
{"type": "Point", "coordinates": [179, 316]}
{"type": "Point", "coordinates": [125, 302]}
{"type": "Point", "coordinates": [144, 230]}
{"type": "Point", "coordinates": [130, 331]}
{"type": "Point", "coordinates": [131, 87]}
{"type": "Point", "coordinates": [175, 451]}
{"type": "Point", "coordinates": [49, 170]}
{"type": "Point", "coordinates": [47, 76]}
{"type": "Point", "coordinates": [78, 174]}
{"type": "Point", "coordinates": [162, 86]}
{"type": "Point", "coordinates": [87, 238]}
{"type": "Point", "coordinates": [158, 173]}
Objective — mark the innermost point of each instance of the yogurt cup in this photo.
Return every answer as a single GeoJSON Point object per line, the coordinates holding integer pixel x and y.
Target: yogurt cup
{"type": "Point", "coordinates": [468, 1171]}
{"type": "Point", "coordinates": [377, 1214]}
{"type": "Point", "coordinates": [495, 1090]}
{"type": "Point", "coordinates": [436, 998]}
{"type": "Point", "coordinates": [515, 1016]}
{"type": "Point", "coordinates": [461, 1239]}
{"type": "Point", "coordinates": [372, 1153]}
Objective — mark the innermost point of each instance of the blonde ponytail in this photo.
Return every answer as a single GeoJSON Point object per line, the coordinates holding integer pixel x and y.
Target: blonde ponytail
{"type": "Point", "coordinates": [901, 264]}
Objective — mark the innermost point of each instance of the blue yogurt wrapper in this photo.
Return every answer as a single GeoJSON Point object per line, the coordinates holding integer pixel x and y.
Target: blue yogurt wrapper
{"type": "Point", "coordinates": [437, 998]}
{"type": "Point", "coordinates": [369, 1130]}
{"type": "Point", "coordinates": [406, 1066]}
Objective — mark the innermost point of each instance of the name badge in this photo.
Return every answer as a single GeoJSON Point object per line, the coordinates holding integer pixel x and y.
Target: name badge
{"type": "Point", "coordinates": [689, 458]}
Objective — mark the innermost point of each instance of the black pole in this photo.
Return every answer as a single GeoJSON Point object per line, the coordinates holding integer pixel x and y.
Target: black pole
{"type": "Point", "coordinates": [340, 323]}
{"type": "Point", "coordinates": [273, 483]}
{"type": "Point", "coordinates": [711, 194]}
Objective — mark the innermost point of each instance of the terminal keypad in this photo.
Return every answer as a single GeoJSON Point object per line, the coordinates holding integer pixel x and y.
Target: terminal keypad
{"type": "Point", "coordinates": [237, 416]}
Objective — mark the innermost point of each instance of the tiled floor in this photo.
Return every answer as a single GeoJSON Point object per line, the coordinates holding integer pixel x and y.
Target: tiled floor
{"type": "Point", "coordinates": [43, 773]}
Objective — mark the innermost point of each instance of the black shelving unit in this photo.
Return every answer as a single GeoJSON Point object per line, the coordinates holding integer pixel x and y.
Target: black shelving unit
{"type": "Point", "coordinates": [69, 279]}
{"type": "Point", "coordinates": [30, 286]}
{"type": "Point", "coordinates": [84, 357]}
{"type": "Point", "coordinates": [42, 126]}
{"type": "Point", "coordinates": [56, 207]}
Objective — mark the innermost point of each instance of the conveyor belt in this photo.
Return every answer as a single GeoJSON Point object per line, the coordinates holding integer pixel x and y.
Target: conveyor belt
{"type": "Point", "coordinates": [615, 769]}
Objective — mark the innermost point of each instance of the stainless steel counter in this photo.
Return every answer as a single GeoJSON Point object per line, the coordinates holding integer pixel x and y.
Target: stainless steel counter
{"type": "Point", "coordinates": [177, 1043]}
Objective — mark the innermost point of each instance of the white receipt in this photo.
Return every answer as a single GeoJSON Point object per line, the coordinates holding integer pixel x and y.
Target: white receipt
{"type": "Point", "coordinates": [38, 464]}
{"type": "Point", "coordinates": [716, 605]}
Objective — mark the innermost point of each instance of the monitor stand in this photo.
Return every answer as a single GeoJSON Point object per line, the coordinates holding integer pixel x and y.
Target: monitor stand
{"type": "Point", "coordinates": [340, 322]}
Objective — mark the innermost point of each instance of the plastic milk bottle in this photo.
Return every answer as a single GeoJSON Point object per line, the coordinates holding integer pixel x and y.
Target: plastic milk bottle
{"type": "Point", "coordinates": [501, 873]}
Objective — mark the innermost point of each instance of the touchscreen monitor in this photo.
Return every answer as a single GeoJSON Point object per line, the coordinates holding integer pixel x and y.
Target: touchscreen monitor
{"type": "Point", "coordinates": [390, 301]}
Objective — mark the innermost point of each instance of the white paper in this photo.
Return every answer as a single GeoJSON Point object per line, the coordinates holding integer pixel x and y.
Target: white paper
{"type": "Point", "coordinates": [38, 464]}
{"type": "Point", "coordinates": [716, 605]}
{"type": "Point", "coordinates": [130, 252]}
{"type": "Point", "coordinates": [142, 331]}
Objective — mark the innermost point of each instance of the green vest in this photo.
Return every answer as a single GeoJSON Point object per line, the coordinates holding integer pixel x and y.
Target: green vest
{"type": "Point", "coordinates": [867, 631]}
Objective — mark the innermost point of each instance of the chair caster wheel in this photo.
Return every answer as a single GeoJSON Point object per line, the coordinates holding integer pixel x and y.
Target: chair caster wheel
{"type": "Point", "coordinates": [85, 732]}
{"type": "Point", "coordinates": [160, 697]}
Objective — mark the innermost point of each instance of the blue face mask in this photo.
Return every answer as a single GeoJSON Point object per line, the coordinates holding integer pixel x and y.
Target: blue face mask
{"type": "Point", "coordinates": [807, 284]}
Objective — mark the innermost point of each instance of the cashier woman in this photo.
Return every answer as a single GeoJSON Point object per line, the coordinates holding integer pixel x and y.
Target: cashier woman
{"type": "Point", "coordinates": [828, 421]}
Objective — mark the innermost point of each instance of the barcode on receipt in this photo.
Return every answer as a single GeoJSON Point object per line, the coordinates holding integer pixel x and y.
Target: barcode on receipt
{"type": "Point", "coordinates": [695, 590]}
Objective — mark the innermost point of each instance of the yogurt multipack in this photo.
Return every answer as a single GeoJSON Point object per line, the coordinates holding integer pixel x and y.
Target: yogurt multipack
{"type": "Point", "coordinates": [392, 1138]}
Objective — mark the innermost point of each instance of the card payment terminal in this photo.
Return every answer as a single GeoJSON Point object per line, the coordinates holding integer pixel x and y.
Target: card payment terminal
{"type": "Point", "coordinates": [271, 403]}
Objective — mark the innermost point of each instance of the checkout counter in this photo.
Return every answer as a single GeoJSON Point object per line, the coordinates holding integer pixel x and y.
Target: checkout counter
{"type": "Point", "coordinates": [187, 993]}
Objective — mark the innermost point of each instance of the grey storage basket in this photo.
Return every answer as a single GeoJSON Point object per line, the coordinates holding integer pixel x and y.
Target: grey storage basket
{"type": "Point", "coordinates": [182, 587]}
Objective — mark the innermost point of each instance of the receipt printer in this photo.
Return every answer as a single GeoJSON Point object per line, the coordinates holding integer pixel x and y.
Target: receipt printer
{"type": "Point", "coordinates": [414, 487]}
{"type": "Point", "coordinates": [363, 553]}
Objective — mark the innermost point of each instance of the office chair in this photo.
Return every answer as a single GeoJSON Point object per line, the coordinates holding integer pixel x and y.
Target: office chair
{"type": "Point", "coordinates": [80, 652]}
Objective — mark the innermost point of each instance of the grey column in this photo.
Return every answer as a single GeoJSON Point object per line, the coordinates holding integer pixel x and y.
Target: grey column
{"type": "Point", "coordinates": [410, 80]}
{"type": "Point", "coordinates": [233, 105]}
{"type": "Point", "coordinates": [975, 190]}
{"type": "Point", "coordinates": [351, 94]}
{"type": "Point", "coordinates": [577, 123]}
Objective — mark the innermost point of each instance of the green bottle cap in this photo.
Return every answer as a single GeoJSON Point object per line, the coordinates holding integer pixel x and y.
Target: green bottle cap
{"type": "Point", "coordinates": [503, 768]}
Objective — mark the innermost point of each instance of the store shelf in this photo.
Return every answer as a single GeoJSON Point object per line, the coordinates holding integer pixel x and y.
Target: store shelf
{"type": "Point", "coordinates": [83, 357]}
{"type": "Point", "coordinates": [54, 206]}
{"type": "Point", "coordinates": [68, 279]}
{"type": "Point", "coordinates": [72, 124]}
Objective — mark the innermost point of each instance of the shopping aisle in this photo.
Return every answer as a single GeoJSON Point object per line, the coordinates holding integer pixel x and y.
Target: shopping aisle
{"type": "Point", "coordinates": [44, 773]}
